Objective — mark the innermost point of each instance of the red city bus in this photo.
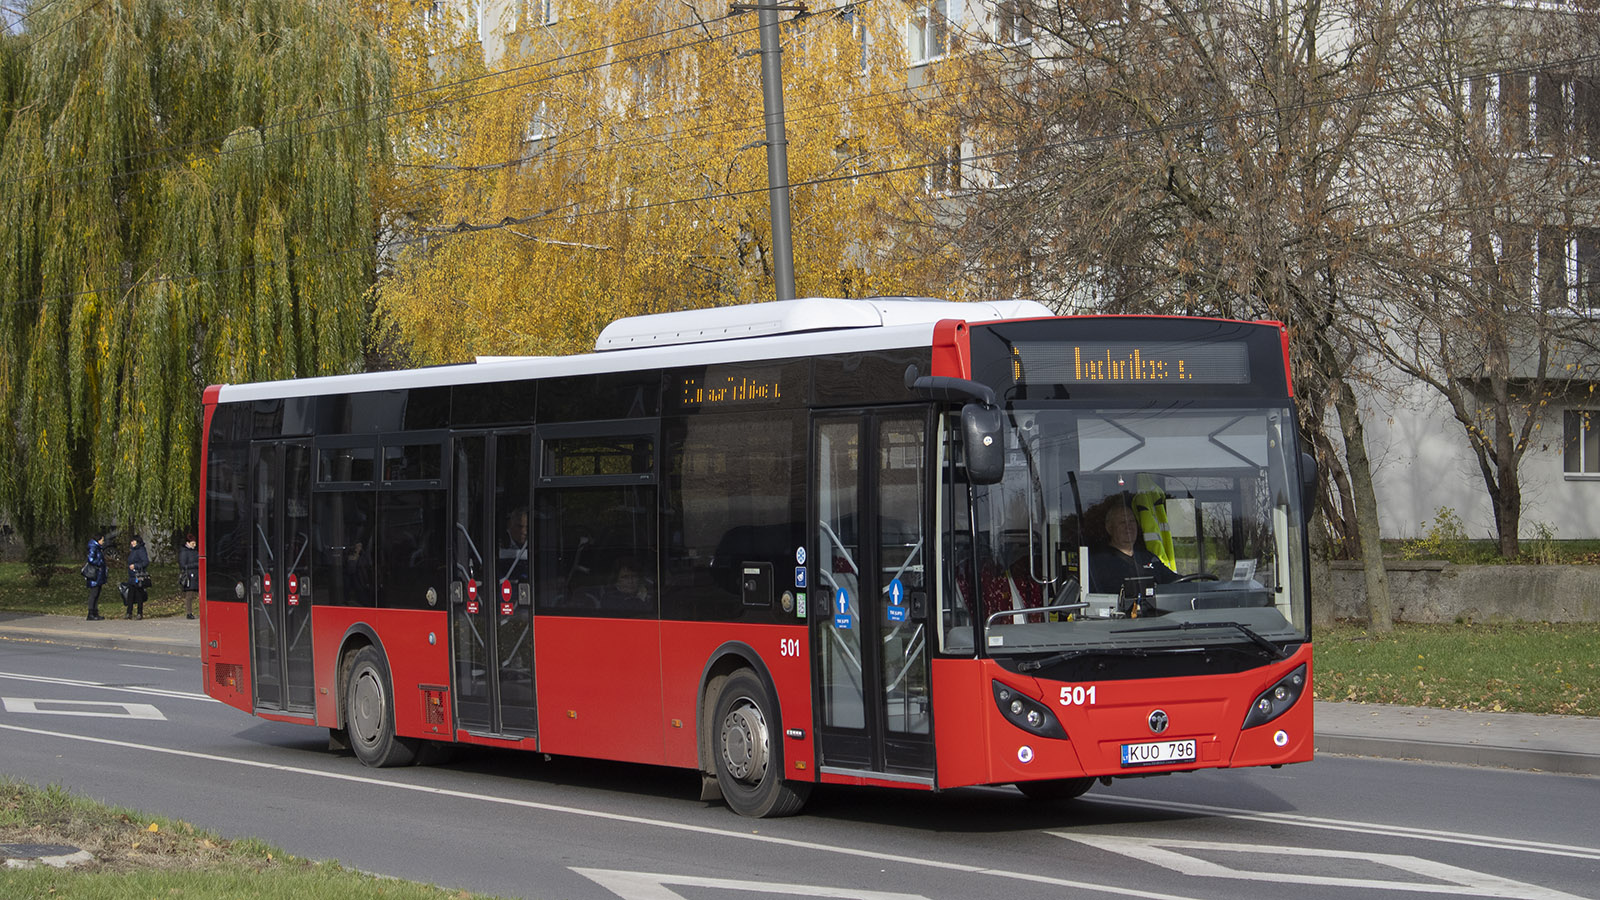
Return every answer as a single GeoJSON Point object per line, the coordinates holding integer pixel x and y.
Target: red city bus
{"type": "Point", "coordinates": [885, 542]}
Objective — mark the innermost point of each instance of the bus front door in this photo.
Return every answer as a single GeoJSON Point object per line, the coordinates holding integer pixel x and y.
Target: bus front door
{"type": "Point", "coordinates": [280, 568]}
{"type": "Point", "coordinates": [491, 599]}
{"type": "Point", "coordinates": [868, 620]}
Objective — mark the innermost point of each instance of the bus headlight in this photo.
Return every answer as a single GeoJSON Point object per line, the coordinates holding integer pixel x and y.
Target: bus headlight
{"type": "Point", "coordinates": [1026, 713]}
{"type": "Point", "coordinates": [1277, 700]}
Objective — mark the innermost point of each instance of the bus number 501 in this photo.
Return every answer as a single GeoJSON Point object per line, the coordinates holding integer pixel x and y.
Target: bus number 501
{"type": "Point", "coordinates": [789, 647]}
{"type": "Point", "coordinates": [1077, 695]}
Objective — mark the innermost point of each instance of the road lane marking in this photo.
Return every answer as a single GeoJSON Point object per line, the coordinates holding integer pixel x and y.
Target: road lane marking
{"type": "Point", "coordinates": [653, 886]}
{"type": "Point", "coordinates": [125, 688]}
{"type": "Point", "coordinates": [720, 833]}
{"type": "Point", "coordinates": [1445, 878]}
{"type": "Point", "coordinates": [93, 708]}
{"type": "Point", "coordinates": [156, 668]}
{"type": "Point", "coordinates": [1403, 831]}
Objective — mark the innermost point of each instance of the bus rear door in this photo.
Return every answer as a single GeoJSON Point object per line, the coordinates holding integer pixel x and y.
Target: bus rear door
{"type": "Point", "coordinates": [280, 567]}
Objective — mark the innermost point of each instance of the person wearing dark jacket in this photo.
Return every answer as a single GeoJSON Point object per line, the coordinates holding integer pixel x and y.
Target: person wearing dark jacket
{"type": "Point", "coordinates": [97, 560]}
{"type": "Point", "coordinates": [189, 573]}
{"type": "Point", "coordinates": [138, 580]}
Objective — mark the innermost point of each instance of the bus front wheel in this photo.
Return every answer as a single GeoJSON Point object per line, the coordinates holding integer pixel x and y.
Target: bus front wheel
{"type": "Point", "coordinates": [369, 714]}
{"type": "Point", "coordinates": [749, 761]}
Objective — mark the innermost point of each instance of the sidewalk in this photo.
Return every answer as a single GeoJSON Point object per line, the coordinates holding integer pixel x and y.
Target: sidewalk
{"type": "Point", "coordinates": [175, 635]}
{"type": "Point", "coordinates": [1564, 744]}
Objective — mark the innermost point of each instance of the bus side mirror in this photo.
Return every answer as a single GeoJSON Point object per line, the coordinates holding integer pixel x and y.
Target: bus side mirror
{"type": "Point", "coordinates": [1308, 483]}
{"type": "Point", "coordinates": [983, 443]}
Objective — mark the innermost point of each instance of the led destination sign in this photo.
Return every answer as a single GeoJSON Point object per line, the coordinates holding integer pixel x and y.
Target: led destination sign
{"type": "Point", "coordinates": [721, 387]}
{"type": "Point", "coordinates": [1132, 362]}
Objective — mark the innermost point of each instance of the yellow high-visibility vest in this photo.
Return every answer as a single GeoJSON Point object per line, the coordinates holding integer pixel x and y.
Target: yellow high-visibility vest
{"type": "Point", "coordinates": [1150, 505]}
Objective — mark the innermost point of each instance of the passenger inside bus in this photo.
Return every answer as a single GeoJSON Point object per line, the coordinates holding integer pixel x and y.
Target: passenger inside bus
{"type": "Point", "coordinates": [1124, 554]}
{"type": "Point", "coordinates": [513, 550]}
{"type": "Point", "coordinates": [630, 589]}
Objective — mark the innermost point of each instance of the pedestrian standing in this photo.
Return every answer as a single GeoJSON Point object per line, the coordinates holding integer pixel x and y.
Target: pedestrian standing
{"type": "Point", "coordinates": [189, 573]}
{"type": "Point", "coordinates": [138, 581]}
{"type": "Point", "coordinates": [97, 578]}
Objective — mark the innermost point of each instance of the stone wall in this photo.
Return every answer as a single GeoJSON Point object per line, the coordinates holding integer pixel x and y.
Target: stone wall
{"type": "Point", "coordinates": [1431, 591]}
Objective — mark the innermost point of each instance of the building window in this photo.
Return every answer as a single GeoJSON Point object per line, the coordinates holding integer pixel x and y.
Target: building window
{"type": "Point", "coordinates": [539, 126]}
{"type": "Point", "coordinates": [1546, 112]}
{"type": "Point", "coordinates": [1584, 251]}
{"type": "Point", "coordinates": [539, 12]}
{"type": "Point", "coordinates": [1012, 25]}
{"type": "Point", "coordinates": [1580, 441]}
{"type": "Point", "coordinates": [928, 31]}
{"type": "Point", "coordinates": [1567, 269]}
{"type": "Point", "coordinates": [945, 172]}
{"type": "Point", "coordinates": [863, 34]}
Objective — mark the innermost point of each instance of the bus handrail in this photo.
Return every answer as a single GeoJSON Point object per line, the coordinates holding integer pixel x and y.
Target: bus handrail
{"type": "Point", "coordinates": [1028, 611]}
{"type": "Point", "coordinates": [839, 545]}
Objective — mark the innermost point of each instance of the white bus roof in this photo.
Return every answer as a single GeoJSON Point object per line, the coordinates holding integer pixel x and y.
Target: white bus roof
{"type": "Point", "coordinates": [790, 328]}
{"type": "Point", "coordinates": [696, 326]}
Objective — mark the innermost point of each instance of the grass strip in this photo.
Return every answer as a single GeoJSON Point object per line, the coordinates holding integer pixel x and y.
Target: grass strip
{"type": "Point", "coordinates": [140, 856]}
{"type": "Point", "coordinates": [1514, 667]}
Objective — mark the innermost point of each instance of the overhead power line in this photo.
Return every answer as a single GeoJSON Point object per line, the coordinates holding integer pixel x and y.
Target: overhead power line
{"type": "Point", "coordinates": [567, 213]}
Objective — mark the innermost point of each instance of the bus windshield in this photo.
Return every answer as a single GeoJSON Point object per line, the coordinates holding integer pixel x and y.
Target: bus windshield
{"type": "Point", "coordinates": [1134, 530]}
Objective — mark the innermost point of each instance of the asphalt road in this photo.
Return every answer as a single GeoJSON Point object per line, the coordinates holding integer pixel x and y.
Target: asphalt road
{"type": "Point", "coordinates": [133, 729]}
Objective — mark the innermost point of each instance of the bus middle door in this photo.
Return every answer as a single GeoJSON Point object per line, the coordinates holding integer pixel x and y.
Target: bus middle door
{"type": "Point", "coordinates": [491, 599]}
{"type": "Point", "coordinates": [869, 619]}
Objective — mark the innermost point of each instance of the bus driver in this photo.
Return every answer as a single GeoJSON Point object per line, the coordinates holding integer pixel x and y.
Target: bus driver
{"type": "Point", "coordinates": [1124, 556]}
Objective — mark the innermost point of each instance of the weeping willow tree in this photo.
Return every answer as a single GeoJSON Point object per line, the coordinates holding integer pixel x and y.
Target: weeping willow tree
{"type": "Point", "coordinates": [186, 200]}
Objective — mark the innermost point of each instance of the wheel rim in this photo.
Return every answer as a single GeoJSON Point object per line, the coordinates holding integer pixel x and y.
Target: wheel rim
{"type": "Point", "coordinates": [745, 743]}
{"type": "Point", "coordinates": [366, 707]}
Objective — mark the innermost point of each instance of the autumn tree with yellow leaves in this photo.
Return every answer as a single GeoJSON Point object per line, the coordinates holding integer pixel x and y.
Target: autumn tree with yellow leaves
{"type": "Point", "coordinates": [614, 166]}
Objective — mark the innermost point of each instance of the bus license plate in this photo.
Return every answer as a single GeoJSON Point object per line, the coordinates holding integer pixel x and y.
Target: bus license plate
{"type": "Point", "coordinates": [1157, 753]}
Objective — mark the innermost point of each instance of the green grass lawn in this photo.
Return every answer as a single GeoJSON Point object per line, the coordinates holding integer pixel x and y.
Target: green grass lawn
{"type": "Point", "coordinates": [1524, 667]}
{"type": "Point", "coordinates": [66, 594]}
{"type": "Point", "coordinates": [141, 856]}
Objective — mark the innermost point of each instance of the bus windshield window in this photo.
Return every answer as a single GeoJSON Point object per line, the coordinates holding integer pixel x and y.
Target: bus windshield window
{"type": "Point", "coordinates": [1126, 520]}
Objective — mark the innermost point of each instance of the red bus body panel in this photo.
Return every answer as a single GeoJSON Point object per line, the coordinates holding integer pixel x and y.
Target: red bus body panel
{"type": "Point", "coordinates": [977, 745]}
{"type": "Point", "coordinates": [404, 636]}
{"type": "Point", "coordinates": [598, 683]}
{"type": "Point", "coordinates": [225, 643]}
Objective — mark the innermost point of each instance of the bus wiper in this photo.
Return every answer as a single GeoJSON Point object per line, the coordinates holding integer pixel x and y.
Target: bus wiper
{"type": "Point", "coordinates": [1036, 664]}
{"type": "Point", "coordinates": [1271, 648]}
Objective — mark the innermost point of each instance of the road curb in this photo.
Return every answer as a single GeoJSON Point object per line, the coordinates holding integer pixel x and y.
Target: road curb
{"type": "Point", "coordinates": [1541, 760]}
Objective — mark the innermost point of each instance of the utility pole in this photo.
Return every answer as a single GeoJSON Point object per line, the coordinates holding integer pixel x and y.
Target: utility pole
{"type": "Point", "coordinates": [777, 142]}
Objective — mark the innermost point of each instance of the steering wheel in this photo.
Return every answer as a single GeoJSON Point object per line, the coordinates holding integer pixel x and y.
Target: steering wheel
{"type": "Point", "coordinates": [1196, 576]}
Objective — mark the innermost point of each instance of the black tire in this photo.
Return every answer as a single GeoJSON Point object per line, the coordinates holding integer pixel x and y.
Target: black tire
{"type": "Point", "coordinates": [369, 714]}
{"type": "Point", "coordinates": [1055, 791]}
{"type": "Point", "coordinates": [749, 758]}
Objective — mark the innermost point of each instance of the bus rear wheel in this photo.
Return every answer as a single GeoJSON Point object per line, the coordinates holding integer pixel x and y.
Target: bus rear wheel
{"type": "Point", "coordinates": [1056, 790]}
{"type": "Point", "coordinates": [749, 761]}
{"type": "Point", "coordinates": [369, 714]}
